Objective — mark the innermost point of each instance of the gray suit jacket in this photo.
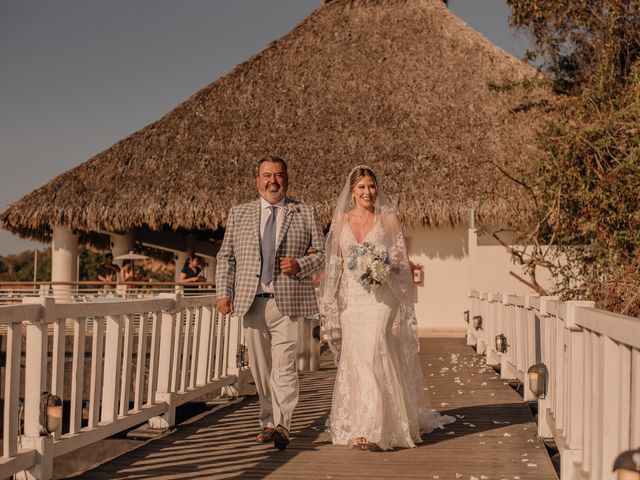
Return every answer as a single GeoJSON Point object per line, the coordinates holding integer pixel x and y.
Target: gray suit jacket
{"type": "Point", "coordinates": [238, 261]}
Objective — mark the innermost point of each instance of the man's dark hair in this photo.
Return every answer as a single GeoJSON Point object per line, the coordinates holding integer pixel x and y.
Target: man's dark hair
{"type": "Point", "coordinates": [274, 159]}
{"type": "Point", "coordinates": [108, 255]}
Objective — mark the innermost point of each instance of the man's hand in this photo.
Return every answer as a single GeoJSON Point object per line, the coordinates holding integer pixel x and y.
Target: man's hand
{"type": "Point", "coordinates": [289, 266]}
{"type": "Point", "coordinates": [224, 305]}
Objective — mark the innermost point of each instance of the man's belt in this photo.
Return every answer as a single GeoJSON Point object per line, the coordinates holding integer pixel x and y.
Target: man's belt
{"type": "Point", "coordinates": [265, 295]}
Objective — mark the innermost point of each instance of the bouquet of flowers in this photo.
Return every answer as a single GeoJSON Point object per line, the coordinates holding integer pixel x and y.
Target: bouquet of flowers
{"type": "Point", "coordinates": [369, 263]}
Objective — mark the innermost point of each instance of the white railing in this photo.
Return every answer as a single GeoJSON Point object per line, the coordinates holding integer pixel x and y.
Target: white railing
{"type": "Point", "coordinates": [178, 349]}
{"type": "Point", "coordinates": [14, 292]}
{"type": "Point", "coordinates": [592, 402]}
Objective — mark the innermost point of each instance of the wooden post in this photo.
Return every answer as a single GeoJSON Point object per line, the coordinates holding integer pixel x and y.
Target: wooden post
{"type": "Point", "coordinates": [203, 371]}
{"type": "Point", "coordinates": [195, 348]}
{"type": "Point", "coordinates": [77, 374]}
{"type": "Point", "coordinates": [473, 311]}
{"type": "Point", "coordinates": [507, 322]}
{"type": "Point", "coordinates": [141, 359]}
{"type": "Point", "coordinates": [97, 346]}
{"type": "Point", "coordinates": [12, 390]}
{"type": "Point", "coordinates": [491, 327]}
{"type": "Point", "coordinates": [575, 391]}
{"type": "Point", "coordinates": [35, 385]}
{"type": "Point", "coordinates": [634, 432]}
{"type": "Point", "coordinates": [481, 334]}
{"type": "Point", "coordinates": [112, 370]}
{"type": "Point", "coordinates": [615, 405]}
{"type": "Point", "coordinates": [164, 392]}
{"type": "Point", "coordinates": [547, 344]}
{"type": "Point", "coordinates": [127, 364]}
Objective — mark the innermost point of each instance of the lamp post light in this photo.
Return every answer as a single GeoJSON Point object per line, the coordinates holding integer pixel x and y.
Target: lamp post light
{"type": "Point", "coordinates": [477, 322]}
{"type": "Point", "coordinates": [627, 465]}
{"type": "Point", "coordinates": [50, 413]}
{"type": "Point", "coordinates": [501, 343]}
{"type": "Point", "coordinates": [242, 357]}
{"type": "Point", "coordinates": [538, 375]}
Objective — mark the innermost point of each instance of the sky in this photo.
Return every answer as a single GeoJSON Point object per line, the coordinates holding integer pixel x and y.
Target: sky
{"type": "Point", "coordinates": [78, 76]}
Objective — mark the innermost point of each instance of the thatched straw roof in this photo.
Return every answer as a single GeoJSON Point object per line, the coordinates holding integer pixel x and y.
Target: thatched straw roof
{"type": "Point", "coordinates": [402, 85]}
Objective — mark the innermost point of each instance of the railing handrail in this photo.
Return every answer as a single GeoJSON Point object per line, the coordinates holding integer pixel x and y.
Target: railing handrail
{"type": "Point", "coordinates": [622, 328]}
{"type": "Point", "coordinates": [99, 282]}
{"type": "Point", "coordinates": [193, 351]}
{"type": "Point", "coordinates": [590, 359]}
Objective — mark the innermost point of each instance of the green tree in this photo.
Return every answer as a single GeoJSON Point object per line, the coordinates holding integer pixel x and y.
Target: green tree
{"type": "Point", "coordinates": [585, 187]}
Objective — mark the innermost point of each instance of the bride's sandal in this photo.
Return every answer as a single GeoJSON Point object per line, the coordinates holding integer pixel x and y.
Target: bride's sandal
{"type": "Point", "coordinates": [361, 443]}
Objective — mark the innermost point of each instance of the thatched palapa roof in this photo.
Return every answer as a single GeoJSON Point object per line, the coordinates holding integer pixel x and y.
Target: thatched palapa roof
{"type": "Point", "coordinates": [402, 85]}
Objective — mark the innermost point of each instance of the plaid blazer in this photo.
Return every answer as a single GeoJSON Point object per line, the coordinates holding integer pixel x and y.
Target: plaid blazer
{"type": "Point", "coordinates": [238, 260]}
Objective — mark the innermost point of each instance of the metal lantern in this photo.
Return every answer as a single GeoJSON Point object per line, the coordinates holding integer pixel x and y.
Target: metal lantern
{"type": "Point", "coordinates": [50, 413]}
{"type": "Point", "coordinates": [477, 322]}
{"type": "Point", "coordinates": [466, 316]}
{"type": "Point", "coordinates": [538, 375]}
{"type": "Point", "coordinates": [501, 343]}
{"type": "Point", "coordinates": [627, 465]}
{"type": "Point", "coordinates": [242, 357]}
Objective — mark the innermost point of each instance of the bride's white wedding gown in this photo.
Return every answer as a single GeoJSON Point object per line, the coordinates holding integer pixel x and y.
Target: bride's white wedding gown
{"type": "Point", "coordinates": [373, 396]}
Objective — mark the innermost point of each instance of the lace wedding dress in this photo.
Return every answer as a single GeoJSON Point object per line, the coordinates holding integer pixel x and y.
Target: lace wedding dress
{"type": "Point", "coordinates": [378, 392]}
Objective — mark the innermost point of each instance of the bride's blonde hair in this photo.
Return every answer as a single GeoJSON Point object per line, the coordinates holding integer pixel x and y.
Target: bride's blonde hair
{"type": "Point", "coordinates": [359, 172]}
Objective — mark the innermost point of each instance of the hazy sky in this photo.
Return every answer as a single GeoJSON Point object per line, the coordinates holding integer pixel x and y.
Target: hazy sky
{"type": "Point", "coordinates": [77, 76]}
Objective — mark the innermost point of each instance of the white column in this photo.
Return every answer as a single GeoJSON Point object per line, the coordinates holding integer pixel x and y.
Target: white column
{"type": "Point", "coordinates": [64, 257]}
{"type": "Point", "coordinates": [121, 244]}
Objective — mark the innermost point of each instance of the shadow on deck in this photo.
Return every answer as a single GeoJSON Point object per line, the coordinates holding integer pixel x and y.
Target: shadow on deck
{"type": "Point", "coordinates": [493, 438]}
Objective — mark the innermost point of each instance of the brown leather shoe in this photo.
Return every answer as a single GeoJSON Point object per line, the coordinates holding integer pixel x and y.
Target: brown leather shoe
{"type": "Point", "coordinates": [265, 436]}
{"type": "Point", "coordinates": [281, 437]}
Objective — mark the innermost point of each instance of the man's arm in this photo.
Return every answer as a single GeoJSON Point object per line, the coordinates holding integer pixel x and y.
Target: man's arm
{"type": "Point", "coordinates": [313, 262]}
{"type": "Point", "coordinates": [226, 269]}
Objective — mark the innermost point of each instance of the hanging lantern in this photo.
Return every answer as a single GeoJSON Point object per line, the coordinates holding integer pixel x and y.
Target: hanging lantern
{"type": "Point", "coordinates": [477, 322]}
{"type": "Point", "coordinates": [538, 375]}
{"type": "Point", "coordinates": [466, 316]}
{"type": "Point", "coordinates": [50, 413]}
{"type": "Point", "coordinates": [242, 357]}
{"type": "Point", "coordinates": [627, 465]}
{"type": "Point", "coordinates": [501, 343]}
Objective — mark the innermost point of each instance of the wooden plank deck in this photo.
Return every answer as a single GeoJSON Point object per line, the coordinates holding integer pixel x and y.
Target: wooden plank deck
{"type": "Point", "coordinates": [493, 438]}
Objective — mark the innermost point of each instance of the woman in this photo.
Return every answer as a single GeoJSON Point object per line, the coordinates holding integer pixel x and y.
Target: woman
{"type": "Point", "coordinates": [191, 271]}
{"type": "Point", "coordinates": [367, 306]}
{"type": "Point", "coordinates": [126, 272]}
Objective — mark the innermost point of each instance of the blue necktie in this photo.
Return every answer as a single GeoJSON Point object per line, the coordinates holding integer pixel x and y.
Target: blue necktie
{"type": "Point", "coordinates": [268, 247]}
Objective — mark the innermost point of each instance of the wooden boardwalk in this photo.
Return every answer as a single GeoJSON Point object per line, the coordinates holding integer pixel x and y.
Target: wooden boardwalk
{"type": "Point", "coordinates": [493, 438]}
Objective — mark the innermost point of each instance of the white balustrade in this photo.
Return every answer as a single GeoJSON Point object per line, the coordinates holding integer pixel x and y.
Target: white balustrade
{"type": "Point", "coordinates": [198, 348]}
{"type": "Point", "coordinates": [591, 407]}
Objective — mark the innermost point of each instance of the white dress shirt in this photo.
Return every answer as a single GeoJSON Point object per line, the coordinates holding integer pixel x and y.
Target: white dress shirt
{"type": "Point", "coordinates": [265, 212]}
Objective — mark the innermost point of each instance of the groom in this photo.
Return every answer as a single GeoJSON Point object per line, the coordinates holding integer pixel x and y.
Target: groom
{"type": "Point", "coordinates": [264, 276]}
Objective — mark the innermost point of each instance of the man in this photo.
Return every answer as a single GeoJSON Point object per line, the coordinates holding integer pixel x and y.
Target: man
{"type": "Point", "coordinates": [108, 272]}
{"type": "Point", "coordinates": [263, 274]}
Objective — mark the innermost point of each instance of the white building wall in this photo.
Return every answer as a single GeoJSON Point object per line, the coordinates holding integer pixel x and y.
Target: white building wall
{"type": "Point", "coordinates": [455, 261]}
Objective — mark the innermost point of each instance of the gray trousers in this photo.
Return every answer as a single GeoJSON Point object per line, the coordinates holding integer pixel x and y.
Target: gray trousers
{"type": "Point", "coordinates": [272, 341]}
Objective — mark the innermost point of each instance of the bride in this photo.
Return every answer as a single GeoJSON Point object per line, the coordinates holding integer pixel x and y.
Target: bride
{"type": "Point", "coordinates": [368, 315]}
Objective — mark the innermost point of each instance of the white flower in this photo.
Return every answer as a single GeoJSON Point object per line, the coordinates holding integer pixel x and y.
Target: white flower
{"type": "Point", "coordinates": [379, 271]}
